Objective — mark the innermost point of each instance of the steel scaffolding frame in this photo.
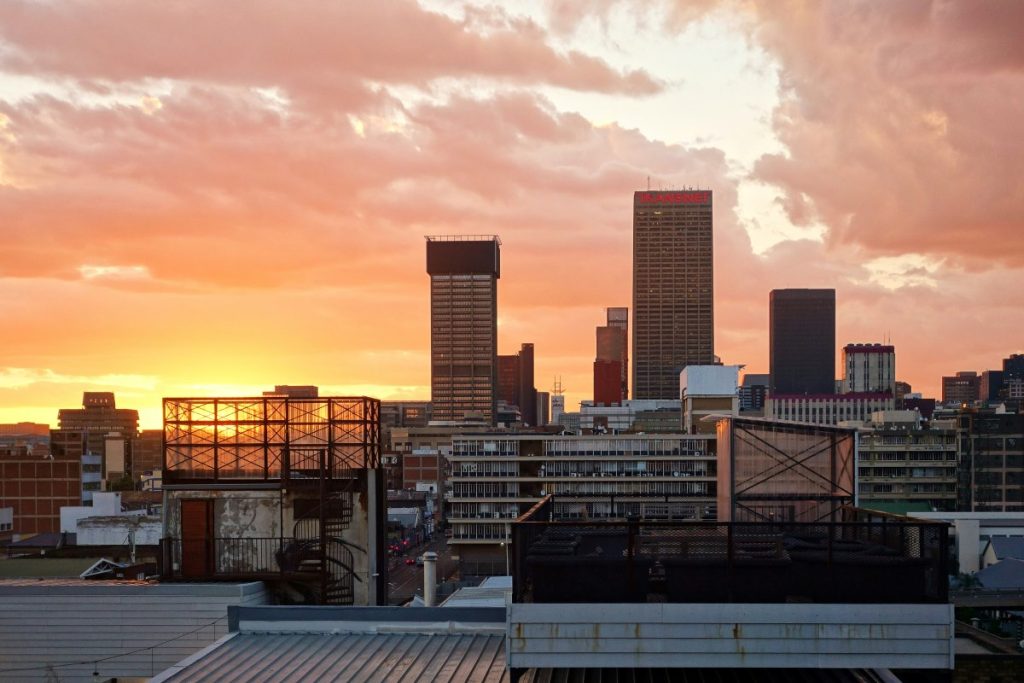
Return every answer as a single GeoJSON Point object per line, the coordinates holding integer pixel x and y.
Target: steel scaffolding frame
{"type": "Point", "coordinates": [269, 438]}
{"type": "Point", "coordinates": [773, 471]}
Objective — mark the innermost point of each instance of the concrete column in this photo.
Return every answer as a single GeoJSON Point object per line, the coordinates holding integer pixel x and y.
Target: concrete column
{"type": "Point", "coordinates": [429, 578]}
{"type": "Point", "coordinates": [968, 544]}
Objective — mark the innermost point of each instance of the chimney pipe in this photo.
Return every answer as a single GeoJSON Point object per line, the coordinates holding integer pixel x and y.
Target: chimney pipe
{"type": "Point", "coordinates": [429, 578]}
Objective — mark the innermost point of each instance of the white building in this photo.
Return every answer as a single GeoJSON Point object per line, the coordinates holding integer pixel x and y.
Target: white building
{"type": "Point", "coordinates": [708, 390]}
{"type": "Point", "coordinates": [827, 409]}
{"type": "Point", "coordinates": [869, 368]}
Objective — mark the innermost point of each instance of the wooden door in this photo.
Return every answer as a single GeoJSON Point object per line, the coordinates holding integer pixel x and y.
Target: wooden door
{"type": "Point", "coordinates": [196, 538]}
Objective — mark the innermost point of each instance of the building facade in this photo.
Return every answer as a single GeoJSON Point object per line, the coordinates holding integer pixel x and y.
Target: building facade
{"type": "Point", "coordinates": [516, 382]}
{"type": "Point", "coordinates": [869, 368]}
{"type": "Point", "coordinates": [992, 461]}
{"type": "Point", "coordinates": [753, 391]}
{"type": "Point", "coordinates": [464, 274]}
{"type": "Point", "coordinates": [100, 417]}
{"type": "Point", "coordinates": [673, 289]}
{"type": "Point", "coordinates": [802, 341]}
{"type": "Point", "coordinates": [612, 347]}
{"type": "Point", "coordinates": [607, 382]}
{"type": "Point", "coordinates": [963, 387]}
{"type": "Point", "coordinates": [36, 488]}
{"type": "Point", "coordinates": [901, 462]}
{"type": "Point", "coordinates": [285, 490]}
{"type": "Point", "coordinates": [827, 409]}
{"type": "Point", "coordinates": [495, 478]}
{"type": "Point", "coordinates": [706, 391]}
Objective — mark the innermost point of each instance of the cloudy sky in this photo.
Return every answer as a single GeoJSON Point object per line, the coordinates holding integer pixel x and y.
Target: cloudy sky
{"type": "Point", "coordinates": [201, 198]}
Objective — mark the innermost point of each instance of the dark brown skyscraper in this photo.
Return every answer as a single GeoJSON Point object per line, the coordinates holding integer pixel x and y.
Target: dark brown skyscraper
{"type": "Point", "coordinates": [673, 289]}
{"type": "Point", "coordinates": [515, 382]}
{"type": "Point", "coordinates": [612, 346]}
{"type": "Point", "coordinates": [464, 272]}
{"type": "Point", "coordinates": [802, 341]}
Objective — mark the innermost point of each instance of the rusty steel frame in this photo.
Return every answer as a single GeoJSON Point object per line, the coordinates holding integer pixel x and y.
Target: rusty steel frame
{"type": "Point", "coordinates": [269, 438]}
{"type": "Point", "coordinates": [822, 464]}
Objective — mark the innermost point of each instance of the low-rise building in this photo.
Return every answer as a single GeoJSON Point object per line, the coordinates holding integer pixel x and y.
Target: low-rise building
{"type": "Point", "coordinates": [283, 489]}
{"type": "Point", "coordinates": [495, 478]}
{"type": "Point", "coordinates": [901, 461]}
{"type": "Point", "coordinates": [707, 390]}
{"type": "Point", "coordinates": [827, 409]}
{"type": "Point", "coordinates": [37, 487]}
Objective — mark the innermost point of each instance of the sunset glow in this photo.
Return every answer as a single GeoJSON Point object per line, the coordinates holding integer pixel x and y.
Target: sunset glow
{"type": "Point", "coordinates": [197, 201]}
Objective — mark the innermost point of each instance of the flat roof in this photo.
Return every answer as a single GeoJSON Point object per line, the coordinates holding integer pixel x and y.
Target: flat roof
{"type": "Point", "coordinates": [288, 657]}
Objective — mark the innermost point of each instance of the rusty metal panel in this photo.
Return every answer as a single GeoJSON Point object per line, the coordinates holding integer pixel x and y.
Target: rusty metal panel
{"type": "Point", "coordinates": [731, 636]}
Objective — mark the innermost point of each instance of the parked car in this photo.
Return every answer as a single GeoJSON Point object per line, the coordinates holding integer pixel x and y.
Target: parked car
{"type": "Point", "coordinates": [419, 561]}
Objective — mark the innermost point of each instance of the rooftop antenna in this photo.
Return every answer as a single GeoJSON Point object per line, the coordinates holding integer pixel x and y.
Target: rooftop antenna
{"type": "Point", "coordinates": [558, 391]}
{"type": "Point", "coordinates": [648, 183]}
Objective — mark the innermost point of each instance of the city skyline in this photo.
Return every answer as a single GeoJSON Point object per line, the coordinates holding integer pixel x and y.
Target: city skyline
{"type": "Point", "coordinates": [158, 201]}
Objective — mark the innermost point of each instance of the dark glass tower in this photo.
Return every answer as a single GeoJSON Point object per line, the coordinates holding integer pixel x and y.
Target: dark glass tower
{"type": "Point", "coordinates": [464, 272]}
{"type": "Point", "coordinates": [802, 341]}
{"type": "Point", "coordinates": [673, 289]}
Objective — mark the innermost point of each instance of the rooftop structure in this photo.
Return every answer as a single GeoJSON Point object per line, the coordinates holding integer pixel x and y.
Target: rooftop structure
{"type": "Point", "coordinates": [783, 472]}
{"type": "Point", "coordinates": [287, 490]}
{"type": "Point", "coordinates": [864, 590]}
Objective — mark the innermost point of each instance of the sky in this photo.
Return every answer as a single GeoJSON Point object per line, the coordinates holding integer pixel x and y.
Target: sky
{"type": "Point", "coordinates": [212, 198]}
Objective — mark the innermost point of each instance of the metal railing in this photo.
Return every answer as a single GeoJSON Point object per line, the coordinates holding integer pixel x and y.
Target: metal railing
{"type": "Point", "coordinates": [867, 557]}
{"type": "Point", "coordinates": [225, 558]}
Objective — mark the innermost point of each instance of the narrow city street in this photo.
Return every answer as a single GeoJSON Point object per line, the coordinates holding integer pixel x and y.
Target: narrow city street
{"type": "Point", "coordinates": [405, 580]}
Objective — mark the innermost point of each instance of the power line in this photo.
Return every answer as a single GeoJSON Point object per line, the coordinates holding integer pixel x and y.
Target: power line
{"type": "Point", "coordinates": [105, 659]}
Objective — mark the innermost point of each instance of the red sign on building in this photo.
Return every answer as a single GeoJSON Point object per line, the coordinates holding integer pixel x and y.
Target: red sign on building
{"type": "Point", "coordinates": [688, 197]}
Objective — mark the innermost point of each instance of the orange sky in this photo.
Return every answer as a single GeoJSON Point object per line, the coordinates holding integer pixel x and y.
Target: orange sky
{"type": "Point", "coordinates": [196, 199]}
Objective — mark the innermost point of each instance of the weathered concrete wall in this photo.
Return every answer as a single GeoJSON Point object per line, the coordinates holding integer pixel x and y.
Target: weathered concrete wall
{"type": "Point", "coordinates": [115, 530]}
{"type": "Point", "coordinates": [236, 514]}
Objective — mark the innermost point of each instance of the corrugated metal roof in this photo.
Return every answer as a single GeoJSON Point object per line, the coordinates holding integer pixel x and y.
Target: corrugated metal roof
{"type": "Point", "coordinates": [352, 657]}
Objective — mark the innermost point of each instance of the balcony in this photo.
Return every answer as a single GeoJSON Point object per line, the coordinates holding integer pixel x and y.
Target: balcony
{"type": "Point", "coordinates": [234, 559]}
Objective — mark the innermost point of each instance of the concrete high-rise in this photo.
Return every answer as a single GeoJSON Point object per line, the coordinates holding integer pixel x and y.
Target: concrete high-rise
{"type": "Point", "coordinates": [673, 289]}
{"type": "Point", "coordinates": [464, 272]}
{"type": "Point", "coordinates": [869, 368]}
{"type": "Point", "coordinates": [802, 341]}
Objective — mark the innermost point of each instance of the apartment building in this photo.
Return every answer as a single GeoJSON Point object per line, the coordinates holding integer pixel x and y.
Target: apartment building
{"type": "Point", "coordinates": [494, 478]}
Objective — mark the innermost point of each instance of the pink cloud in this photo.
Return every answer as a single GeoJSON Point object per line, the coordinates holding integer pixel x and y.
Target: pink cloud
{"type": "Point", "coordinates": [304, 47]}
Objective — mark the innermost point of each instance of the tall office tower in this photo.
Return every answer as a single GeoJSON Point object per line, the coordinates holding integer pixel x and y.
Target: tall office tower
{"type": "Point", "coordinates": [869, 368]}
{"type": "Point", "coordinates": [464, 272]}
{"type": "Point", "coordinates": [673, 289]}
{"type": "Point", "coordinates": [802, 341]}
{"type": "Point", "coordinates": [612, 348]}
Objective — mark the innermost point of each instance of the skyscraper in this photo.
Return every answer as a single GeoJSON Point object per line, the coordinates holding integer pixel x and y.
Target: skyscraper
{"type": "Point", "coordinates": [612, 348]}
{"type": "Point", "coordinates": [464, 272]}
{"type": "Point", "coordinates": [673, 289]}
{"type": "Point", "coordinates": [802, 341]}
{"type": "Point", "coordinates": [515, 382]}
